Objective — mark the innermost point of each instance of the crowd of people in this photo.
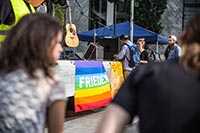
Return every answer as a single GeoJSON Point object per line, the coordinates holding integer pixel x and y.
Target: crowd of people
{"type": "Point", "coordinates": [165, 95]}
{"type": "Point", "coordinates": [172, 51]}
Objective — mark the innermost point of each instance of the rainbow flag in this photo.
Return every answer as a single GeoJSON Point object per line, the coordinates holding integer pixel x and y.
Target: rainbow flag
{"type": "Point", "coordinates": [92, 86]}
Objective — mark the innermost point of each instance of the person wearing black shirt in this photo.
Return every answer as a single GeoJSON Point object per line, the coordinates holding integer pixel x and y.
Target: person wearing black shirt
{"type": "Point", "coordinates": [6, 13]}
{"type": "Point", "coordinates": [144, 58]}
{"type": "Point", "coordinates": [165, 95]}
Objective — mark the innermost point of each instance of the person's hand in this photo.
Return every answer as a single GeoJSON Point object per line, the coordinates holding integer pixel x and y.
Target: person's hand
{"type": "Point", "coordinates": [115, 56]}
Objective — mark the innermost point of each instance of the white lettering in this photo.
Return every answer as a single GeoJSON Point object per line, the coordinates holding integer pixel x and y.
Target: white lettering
{"type": "Point", "coordinates": [104, 79]}
{"type": "Point", "coordinates": [93, 81]}
{"type": "Point", "coordinates": [87, 82]}
{"type": "Point", "coordinates": [99, 80]}
{"type": "Point", "coordinates": [81, 82]}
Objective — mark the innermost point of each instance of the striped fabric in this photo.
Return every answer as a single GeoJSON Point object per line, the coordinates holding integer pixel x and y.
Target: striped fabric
{"type": "Point", "coordinates": [92, 86]}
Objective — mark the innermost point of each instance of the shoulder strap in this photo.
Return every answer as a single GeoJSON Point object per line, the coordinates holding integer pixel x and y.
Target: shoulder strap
{"type": "Point", "coordinates": [127, 46]}
{"type": "Point", "coordinates": [28, 5]}
{"type": "Point", "coordinates": [129, 50]}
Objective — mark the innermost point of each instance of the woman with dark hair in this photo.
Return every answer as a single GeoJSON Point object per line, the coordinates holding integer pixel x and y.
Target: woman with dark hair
{"type": "Point", "coordinates": [29, 89]}
{"type": "Point", "coordinates": [164, 95]}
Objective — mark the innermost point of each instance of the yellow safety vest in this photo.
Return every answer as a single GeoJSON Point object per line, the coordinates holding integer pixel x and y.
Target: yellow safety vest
{"type": "Point", "coordinates": [20, 9]}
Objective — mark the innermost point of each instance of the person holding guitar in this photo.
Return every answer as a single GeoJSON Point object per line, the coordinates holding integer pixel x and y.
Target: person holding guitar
{"type": "Point", "coordinates": [12, 10]}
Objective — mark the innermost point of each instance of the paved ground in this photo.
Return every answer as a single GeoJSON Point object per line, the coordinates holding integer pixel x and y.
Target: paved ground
{"type": "Point", "coordinates": [86, 122]}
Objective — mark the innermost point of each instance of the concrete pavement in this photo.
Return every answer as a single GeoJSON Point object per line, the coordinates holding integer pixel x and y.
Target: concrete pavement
{"type": "Point", "coordinates": [87, 122]}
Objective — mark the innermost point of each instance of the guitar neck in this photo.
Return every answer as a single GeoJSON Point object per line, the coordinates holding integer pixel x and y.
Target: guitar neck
{"type": "Point", "coordinates": [70, 16]}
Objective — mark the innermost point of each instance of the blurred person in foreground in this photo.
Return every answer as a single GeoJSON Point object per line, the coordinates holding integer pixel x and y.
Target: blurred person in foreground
{"type": "Point", "coordinates": [144, 58]}
{"type": "Point", "coordinates": [173, 50]}
{"type": "Point", "coordinates": [29, 89]}
{"type": "Point", "coordinates": [165, 95]}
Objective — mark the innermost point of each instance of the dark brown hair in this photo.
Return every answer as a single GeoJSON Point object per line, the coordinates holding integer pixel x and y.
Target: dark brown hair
{"type": "Point", "coordinates": [124, 37]}
{"type": "Point", "coordinates": [190, 38]}
{"type": "Point", "coordinates": [141, 40]}
{"type": "Point", "coordinates": [28, 45]}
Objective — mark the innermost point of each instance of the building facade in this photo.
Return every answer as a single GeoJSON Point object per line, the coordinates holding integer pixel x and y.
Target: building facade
{"type": "Point", "coordinates": [177, 14]}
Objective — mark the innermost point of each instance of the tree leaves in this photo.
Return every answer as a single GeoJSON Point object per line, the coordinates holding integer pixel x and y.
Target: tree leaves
{"type": "Point", "coordinates": [147, 13]}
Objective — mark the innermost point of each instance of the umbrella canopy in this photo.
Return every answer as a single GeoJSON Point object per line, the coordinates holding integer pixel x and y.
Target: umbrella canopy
{"type": "Point", "coordinates": [123, 28]}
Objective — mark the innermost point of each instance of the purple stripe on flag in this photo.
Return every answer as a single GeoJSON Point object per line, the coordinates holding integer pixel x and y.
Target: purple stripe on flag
{"type": "Point", "coordinates": [88, 64]}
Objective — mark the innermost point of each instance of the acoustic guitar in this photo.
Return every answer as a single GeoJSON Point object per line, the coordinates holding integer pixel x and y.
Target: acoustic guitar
{"type": "Point", "coordinates": [35, 3]}
{"type": "Point", "coordinates": [71, 38]}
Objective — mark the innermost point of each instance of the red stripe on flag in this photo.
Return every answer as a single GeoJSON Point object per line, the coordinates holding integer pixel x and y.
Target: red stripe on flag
{"type": "Point", "coordinates": [94, 105]}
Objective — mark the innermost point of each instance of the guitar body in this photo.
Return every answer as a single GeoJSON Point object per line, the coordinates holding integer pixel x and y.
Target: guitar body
{"type": "Point", "coordinates": [71, 38]}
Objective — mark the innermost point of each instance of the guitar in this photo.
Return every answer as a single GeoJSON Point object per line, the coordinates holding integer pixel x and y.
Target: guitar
{"type": "Point", "coordinates": [35, 3]}
{"type": "Point", "coordinates": [71, 38]}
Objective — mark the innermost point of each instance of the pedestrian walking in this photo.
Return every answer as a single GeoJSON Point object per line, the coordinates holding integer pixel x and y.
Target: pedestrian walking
{"type": "Point", "coordinates": [30, 93]}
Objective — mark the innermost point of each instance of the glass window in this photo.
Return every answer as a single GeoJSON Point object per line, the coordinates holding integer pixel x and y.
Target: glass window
{"type": "Point", "coordinates": [97, 11]}
{"type": "Point", "coordinates": [191, 7]}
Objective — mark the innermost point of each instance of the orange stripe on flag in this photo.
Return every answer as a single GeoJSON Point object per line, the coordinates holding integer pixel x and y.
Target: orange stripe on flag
{"type": "Point", "coordinates": [91, 99]}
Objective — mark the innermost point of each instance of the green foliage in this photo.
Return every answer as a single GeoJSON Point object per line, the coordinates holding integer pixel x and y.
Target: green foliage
{"type": "Point", "coordinates": [59, 13]}
{"type": "Point", "coordinates": [147, 13]}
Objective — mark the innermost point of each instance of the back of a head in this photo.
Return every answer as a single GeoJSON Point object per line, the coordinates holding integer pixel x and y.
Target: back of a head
{"type": "Point", "coordinates": [190, 42]}
{"type": "Point", "coordinates": [27, 44]}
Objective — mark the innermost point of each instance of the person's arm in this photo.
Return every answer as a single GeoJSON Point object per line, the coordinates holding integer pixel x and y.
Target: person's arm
{"type": "Point", "coordinates": [122, 53]}
{"type": "Point", "coordinates": [179, 51]}
{"type": "Point", "coordinates": [122, 109]}
{"type": "Point", "coordinates": [143, 61]}
{"type": "Point", "coordinates": [56, 108]}
{"type": "Point", "coordinates": [56, 116]}
{"type": "Point", "coordinates": [114, 120]}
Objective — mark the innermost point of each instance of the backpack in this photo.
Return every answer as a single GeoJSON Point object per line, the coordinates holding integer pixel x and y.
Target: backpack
{"type": "Point", "coordinates": [135, 56]}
